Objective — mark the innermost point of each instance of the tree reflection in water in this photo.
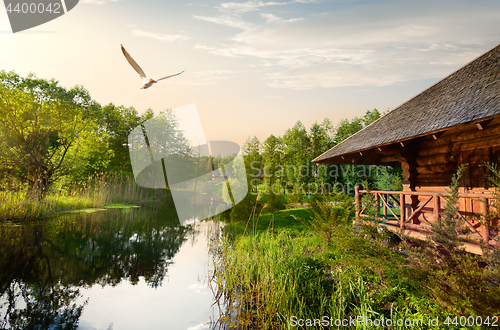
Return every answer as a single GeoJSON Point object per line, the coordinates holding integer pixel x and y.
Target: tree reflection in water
{"type": "Point", "coordinates": [44, 264]}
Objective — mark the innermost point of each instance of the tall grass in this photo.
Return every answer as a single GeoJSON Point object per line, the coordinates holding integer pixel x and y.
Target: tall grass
{"type": "Point", "coordinates": [270, 281]}
{"type": "Point", "coordinates": [18, 201]}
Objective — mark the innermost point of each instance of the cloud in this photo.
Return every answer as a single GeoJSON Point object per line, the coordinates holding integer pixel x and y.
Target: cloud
{"type": "Point", "coordinates": [227, 21]}
{"type": "Point", "coordinates": [243, 7]}
{"type": "Point", "coordinates": [232, 13]}
{"type": "Point", "coordinates": [363, 45]}
{"type": "Point", "coordinates": [159, 36]}
{"type": "Point", "coordinates": [208, 77]}
{"type": "Point", "coordinates": [270, 18]}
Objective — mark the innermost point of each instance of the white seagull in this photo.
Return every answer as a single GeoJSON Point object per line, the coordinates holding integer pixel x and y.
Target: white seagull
{"type": "Point", "coordinates": [146, 82]}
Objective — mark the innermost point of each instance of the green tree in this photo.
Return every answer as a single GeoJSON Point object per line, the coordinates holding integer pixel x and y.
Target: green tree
{"type": "Point", "coordinates": [119, 121]}
{"type": "Point", "coordinates": [296, 154]}
{"type": "Point", "coordinates": [370, 116]}
{"type": "Point", "coordinates": [40, 123]}
{"type": "Point", "coordinates": [321, 137]}
{"type": "Point", "coordinates": [251, 150]}
{"type": "Point", "coordinates": [272, 154]}
{"type": "Point", "coordinates": [346, 127]}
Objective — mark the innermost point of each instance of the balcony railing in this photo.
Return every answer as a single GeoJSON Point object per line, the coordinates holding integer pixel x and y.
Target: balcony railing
{"type": "Point", "coordinates": [395, 208]}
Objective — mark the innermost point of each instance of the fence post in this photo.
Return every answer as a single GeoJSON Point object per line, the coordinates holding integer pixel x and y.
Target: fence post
{"type": "Point", "coordinates": [377, 207]}
{"type": "Point", "coordinates": [402, 211]}
{"type": "Point", "coordinates": [485, 230]}
{"type": "Point", "coordinates": [384, 207]}
{"type": "Point", "coordinates": [358, 200]}
{"type": "Point", "coordinates": [437, 206]}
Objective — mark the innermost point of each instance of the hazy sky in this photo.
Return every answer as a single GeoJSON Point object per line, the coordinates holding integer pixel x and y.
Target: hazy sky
{"type": "Point", "coordinates": [256, 67]}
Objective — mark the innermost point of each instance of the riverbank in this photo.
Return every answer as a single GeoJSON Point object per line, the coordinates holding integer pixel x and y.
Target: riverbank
{"type": "Point", "coordinates": [18, 202]}
{"type": "Point", "coordinates": [285, 271]}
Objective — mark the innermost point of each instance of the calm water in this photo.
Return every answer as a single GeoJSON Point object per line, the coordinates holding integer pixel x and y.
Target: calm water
{"type": "Point", "coordinates": [114, 269]}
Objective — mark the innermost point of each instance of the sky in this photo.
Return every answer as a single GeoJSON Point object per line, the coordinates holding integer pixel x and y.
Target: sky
{"type": "Point", "coordinates": [255, 68]}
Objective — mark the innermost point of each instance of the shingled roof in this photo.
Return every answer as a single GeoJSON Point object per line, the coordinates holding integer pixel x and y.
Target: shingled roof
{"type": "Point", "coordinates": [468, 94]}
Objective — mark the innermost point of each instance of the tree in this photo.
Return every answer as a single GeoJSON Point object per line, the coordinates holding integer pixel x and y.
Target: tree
{"type": "Point", "coordinates": [321, 137]}
{"type": "Point", "coordinates": [296, 154]}
{"type": "Point", "coordinates": [119, 121]}
{"type": "Point", "coordinates": [40, 123]}
{"type": "Point", "coordinates": [251, 149]}
{"type": "Point", "coordinates": [271, 158]}
{"type": "Point", "coordinates": [346, 127]}
{"type": "Point", "coordinates": [371, 116]}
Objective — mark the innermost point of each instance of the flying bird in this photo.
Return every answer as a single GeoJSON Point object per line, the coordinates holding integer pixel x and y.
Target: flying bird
{"type": "Point", "coordinates": [146, 82]}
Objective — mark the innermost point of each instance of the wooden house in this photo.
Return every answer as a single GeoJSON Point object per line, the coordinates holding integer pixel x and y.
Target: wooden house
{"type": "Point", "coordinates": [454, 122]}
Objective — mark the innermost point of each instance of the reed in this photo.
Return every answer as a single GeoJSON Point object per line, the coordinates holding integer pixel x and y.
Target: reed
{"type": "Point", "coordinates": [270, 281]}
{"type": "Point", "coordinates": [19, 202]}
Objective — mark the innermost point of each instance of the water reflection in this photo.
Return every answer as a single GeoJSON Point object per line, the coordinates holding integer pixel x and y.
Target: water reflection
{"type": "Point", "coordinates": [45, 266]}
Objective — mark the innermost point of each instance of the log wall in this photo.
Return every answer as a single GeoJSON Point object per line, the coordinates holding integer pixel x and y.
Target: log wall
{"type": "Point", "coordinates": [438, 159]}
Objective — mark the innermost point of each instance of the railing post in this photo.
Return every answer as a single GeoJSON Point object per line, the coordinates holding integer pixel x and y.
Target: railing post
{"type": "Point", "coordinates": [402, 211]}
{"type": "Point", "coordinates": [485, 230]}
{"type": "Point", "coordinates": [358, 200]}
{"type": "Point", "coordinates": [437, 206]}
{"type": "Point", "coordinates": [377, 207]}
{"type": "Point", "coordinates": [384, 207]}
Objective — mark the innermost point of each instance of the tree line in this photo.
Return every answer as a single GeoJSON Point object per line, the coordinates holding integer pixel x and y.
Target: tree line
{"type": "Point", "coordinates": [281, 164]}
{"type": "Point", "coordinates": [53, 135]}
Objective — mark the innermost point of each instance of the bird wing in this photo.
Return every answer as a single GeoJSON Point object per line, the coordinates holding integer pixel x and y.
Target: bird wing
{"type": "Point", "coordinates": [133, 63]}
{"type": "Point", "coordinates": [172, 75]}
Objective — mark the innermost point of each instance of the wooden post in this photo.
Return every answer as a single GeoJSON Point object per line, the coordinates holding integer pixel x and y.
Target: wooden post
{"type": "Point", "coordinates": [377, 205]}
{"type": "Point", "coordinates": [437, 206]}
{"type": "Point", "coordinates": [485, 230]}
{"type": "Point", "coordinates": [358, 200]}
{"type": "Point", "coordinates": [402, 210]}
{"type": "Point", "coordinates": [384, 196]}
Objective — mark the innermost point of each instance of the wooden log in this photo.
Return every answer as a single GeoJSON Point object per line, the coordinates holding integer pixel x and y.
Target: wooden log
{"type": "Point", "coordinates": [485, 230]}
{"type": "Point", "coordinates": [358, 200]}
{"type": "Point", "coordinates": [402, 211]}
{"type": "Point", "coordinates": [441, 149]}
{"type": "Point", "coordinates": [436, 159]}
{"type": "Point", "coordinates": [491, 141]}
{"type": "Point", "coordinates": [435, 177]}
{"type": "Point", "coordinates": [472, 134]}
{"type": "Point", "coordinates": [440, 168]}
{"type": "Point", "coordinates": [437, 206]}
{"type": "Point", "coordinates": [384, 200]}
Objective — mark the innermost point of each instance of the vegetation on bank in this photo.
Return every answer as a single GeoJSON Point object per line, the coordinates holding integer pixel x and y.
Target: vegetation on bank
{"type": "Point", "coordinates": [61, 150]}
{"type": "Point", "coordinates": [19, 202]}
{"type": "Point", "coordinates": [311, 267]}
{"type": "Point", "coordinates": [53, 141]}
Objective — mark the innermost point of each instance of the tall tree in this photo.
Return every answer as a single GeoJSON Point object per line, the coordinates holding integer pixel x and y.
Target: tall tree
{"type": "Point", "coordinates": [40, 123]}
{"type": "Point", "coordinates": [272, 155]}
{"type": "Point", "coordinates": [119, 121]}
{"type": "Point", "coordinates": [296, 154]}
{"type": "Point", "coordinates": [346, 127]}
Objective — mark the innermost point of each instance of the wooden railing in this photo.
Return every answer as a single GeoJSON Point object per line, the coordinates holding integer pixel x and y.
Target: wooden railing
{"type": "Point", "coordinates": [409, 218]}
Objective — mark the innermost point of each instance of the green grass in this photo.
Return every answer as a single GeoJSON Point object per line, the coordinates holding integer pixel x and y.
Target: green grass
{"type": "Point", "coordinates": [19, 202]}
{"type": "Point", "coordinates": [265, 277]}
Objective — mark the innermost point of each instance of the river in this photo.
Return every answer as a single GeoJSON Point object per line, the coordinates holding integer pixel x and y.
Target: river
{"type": "Point", "coordinates": [107, 270]}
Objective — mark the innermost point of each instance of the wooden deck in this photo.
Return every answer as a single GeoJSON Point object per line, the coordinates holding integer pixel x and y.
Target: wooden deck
{"type": "Point", "coordinates": [394, 209]}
